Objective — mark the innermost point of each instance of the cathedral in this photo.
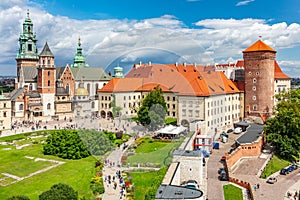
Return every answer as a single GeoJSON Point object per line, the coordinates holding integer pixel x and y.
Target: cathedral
{"type": "Point", "coordinates": [44, 91]}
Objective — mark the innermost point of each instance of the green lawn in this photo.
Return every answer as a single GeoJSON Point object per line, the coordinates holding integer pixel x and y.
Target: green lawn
{"type": "Point", "coordinates": [152, 152]}
{"type": "Point", "coordinates": [76, 173]}
{"type": "Point", "coordinates": [274, 165]}
{"type": "Point", "coordinates": [142, 181]}
{"type": "Point", "coordinates": [232, 192]}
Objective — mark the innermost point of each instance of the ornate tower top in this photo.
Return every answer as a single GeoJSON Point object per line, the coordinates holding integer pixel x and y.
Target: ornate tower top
{"type": "Point", "coordinates": [27, 41]}
{"type": "Point", "coordinates": [79, 59]}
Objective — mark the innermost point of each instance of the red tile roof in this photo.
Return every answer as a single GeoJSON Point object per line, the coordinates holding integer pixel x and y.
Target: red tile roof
{"type": "Point", "coordinates": [278, 74]}
{"type": "Point", "coordinates": [259, 46]}
{"type": "Point", "coordinates": [183, 79]}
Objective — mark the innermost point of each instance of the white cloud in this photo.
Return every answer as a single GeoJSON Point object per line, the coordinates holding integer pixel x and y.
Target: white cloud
{"type": "Point", "coordinates": [244, 3]}
{"type": "Point", "coordinates": [103, 41]}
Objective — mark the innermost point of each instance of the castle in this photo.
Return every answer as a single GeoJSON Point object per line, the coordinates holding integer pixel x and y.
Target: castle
{"type": "Point", "coordinates": [215, 96]}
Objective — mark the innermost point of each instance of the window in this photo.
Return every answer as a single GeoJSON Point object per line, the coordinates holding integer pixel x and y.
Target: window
{"type": "Point", "coordinates": [197, 113]}
{"type": "Point", "coordinates": [254, 98]}
{"type": "Point", "coordinates": [48, 106]}
{"type": "Point", "coordinates": [190, 113]}
{"type": "Point", "coordinates": [254, 107]}
{"type": "Point", "coordinates": [257, 73]}
{"type": "Point", "coordinates": [48, 82]}
{"type": "Point", "coordinates": [254, 80]}
{"type": "Point", "coordinates": [124, 98]}
{"type": "Point", "coordinates": [183, 112]}
{"type": "Point", "coordinates": [48, 73]}
{"type": "Point", "coordinates": [4, 105]}
{"type": "Point", "coordinates": [174, 98]}
{"type": "Point", "coordinates": [93, 104]}
{"type": "Point", "coordinates": [168, 98]}
{"type": "Point", "coordinates": [250, 73]}
{"type": "Point", "coordinates": [4, 114]}
{"type": "Point", "coordinates": [21, 107]}
{"type": "Point", "coordinates": [174, 114]}
{"type": "Point", "coordinates": [173, 106]}
{"type": "Point", "coordinates": [68, 88]}
{"type": "Point", "coordinates": [30, 86]}
{"type": "Point", "coordinates": [48, 61]}
{"type": "Point", "coordinates": [29, 47]}
{"type": "Point", "coordinates": [89, 88]}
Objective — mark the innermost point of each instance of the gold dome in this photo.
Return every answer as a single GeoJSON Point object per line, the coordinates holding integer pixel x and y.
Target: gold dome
{"type": "Point", "coordinates": [81, 92]}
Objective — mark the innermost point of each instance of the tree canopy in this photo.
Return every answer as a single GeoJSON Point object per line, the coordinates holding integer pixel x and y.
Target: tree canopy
{"type": "Point", "coordinates": [18, 197]}
{"type": "Point", "coordinates": [282, 131]}
{"type": "Point", "coordinates": [153, 110]}
{"type": "Point", "coordinates": [59, 191]}
{"type": "Point", "coordinates": [73, 144]}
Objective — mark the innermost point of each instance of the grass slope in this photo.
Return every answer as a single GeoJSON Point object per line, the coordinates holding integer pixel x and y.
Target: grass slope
{"type": "Point", "coordinates": [76, 173]}
{"type": "Point", "coordinates": [274, 165]}
{"type": "Point", "coordinates": [142, 181]}
{"type": "Point", "coordinates": [232, 192]}
{"type": "Point", "coordinates": [152, 152]}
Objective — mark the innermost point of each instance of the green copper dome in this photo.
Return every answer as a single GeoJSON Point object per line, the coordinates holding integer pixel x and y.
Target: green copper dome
{"type": "Point", "coordinates": [79, 59]}
{"type": "Point", "coordinates": [27, 41]}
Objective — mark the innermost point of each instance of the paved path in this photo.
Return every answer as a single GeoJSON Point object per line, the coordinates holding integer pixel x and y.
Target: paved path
{"type": "Point", "coordinates": [112, 193]}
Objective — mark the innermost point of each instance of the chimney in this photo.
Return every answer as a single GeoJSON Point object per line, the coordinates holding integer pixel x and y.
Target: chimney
{"type": "Point", "coordinates": [149, 63]}
{"type": "Point", "coordinates": [176, 64]}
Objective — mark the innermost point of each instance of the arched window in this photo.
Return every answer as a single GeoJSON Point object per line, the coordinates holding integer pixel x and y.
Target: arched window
{"type": "Point", "coordinates": [48, 73]}
{"type": "Point", "coordinates": [21, 107]}
{"type": "Point", "coordinates": [48, 106]}
{"type": "Point", "coordinates": [48, 82]}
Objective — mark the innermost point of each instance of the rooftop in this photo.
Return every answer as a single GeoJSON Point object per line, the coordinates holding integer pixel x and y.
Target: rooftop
{"type": "Point", "coordinates": [177, 192]}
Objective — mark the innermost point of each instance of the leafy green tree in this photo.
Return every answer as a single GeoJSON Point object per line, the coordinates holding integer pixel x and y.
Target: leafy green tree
{"type": "Point", "coordinates": [153, 109]}
{"type": "Point", "coordinates": [18, 197]}
{"type": "Point", "coordinates": [65, 144]}
{"type": "Point", "coordinates": [282, 131]}
{"type": "Point", "coordinates": [59, 191]}
{"type": "Point", "coordinates": [97, 143]}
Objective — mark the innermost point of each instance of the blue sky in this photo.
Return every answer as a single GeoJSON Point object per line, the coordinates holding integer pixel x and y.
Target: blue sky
{"type": "Point", "coordinates": [116, 32]}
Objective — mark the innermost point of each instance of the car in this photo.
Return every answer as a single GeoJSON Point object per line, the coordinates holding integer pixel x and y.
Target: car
{"type": "Point", "coordinates": [284, 171]}
{"type": "Point", "coordinates": [292, 168]}
{"type": "Point", "coordinates": [229, 130]}
{"type": "Point", "coordinates": [223, 177]}
{"type": "Point", "coordinates": [272, 180]}
{"type": "Point", "coordinates": [221, 170]}
{"type": "Point", "coordinates": [191, 184]}
{"type": "Point", "coordinates": [238, 130]}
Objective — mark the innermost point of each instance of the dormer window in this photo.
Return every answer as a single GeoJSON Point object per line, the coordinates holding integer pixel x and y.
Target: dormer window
{"type": "Point", "coordinates": [29, 47]}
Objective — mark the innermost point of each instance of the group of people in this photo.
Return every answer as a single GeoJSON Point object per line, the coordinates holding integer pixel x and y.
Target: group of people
{"type": "Point", "coordinates": [290, 195]}
{"type": "Point", "coordinates": [116, 180]}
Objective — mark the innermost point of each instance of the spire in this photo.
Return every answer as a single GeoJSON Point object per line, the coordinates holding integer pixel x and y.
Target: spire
{"type": "Point", "coordinates": [27, 41]}
{"type": "Point", "coordinates": [79, 59]}
{"type": "Point", "coordinates": [46, 52]}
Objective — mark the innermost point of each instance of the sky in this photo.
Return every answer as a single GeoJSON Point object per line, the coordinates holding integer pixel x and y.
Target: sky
{"type": "Point", "coordinates": [116, 32]}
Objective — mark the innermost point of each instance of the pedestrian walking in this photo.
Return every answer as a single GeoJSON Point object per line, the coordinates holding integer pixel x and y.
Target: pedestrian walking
{"type": "Point", "coordinates": [257, 185]}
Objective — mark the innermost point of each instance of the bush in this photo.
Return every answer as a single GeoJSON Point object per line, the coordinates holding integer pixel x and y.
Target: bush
{"type": "Point", "coordinates": [65, 144]}
{"type": "Point", "coordinates": [59, 191]}
{"type": "Point", "coordinates": [19, 197]}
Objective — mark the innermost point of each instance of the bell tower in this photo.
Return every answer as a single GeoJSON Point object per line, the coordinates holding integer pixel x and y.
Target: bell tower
{"type": "Point", "coordinates": [28, 52]}
{"type": "Point", "coordinates": [46, 77]}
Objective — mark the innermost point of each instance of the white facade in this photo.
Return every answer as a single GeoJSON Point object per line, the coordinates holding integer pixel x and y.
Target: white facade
{"type": "Point", "coordinates": [190, 108]}
{"type": "Point", "coordinates": [48, 104]}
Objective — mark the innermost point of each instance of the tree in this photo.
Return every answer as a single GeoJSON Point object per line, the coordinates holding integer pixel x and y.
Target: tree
{"type": "Point", "coordinates": [115, 109]}
{"type": "Point", "coordinates": [59, 191]}
{"type": "Point", "coordinates": [282, 131]}
{"type": "Point", "coordinates": [65, 144]}
{"type": "Point", "coordinates": [153, 109]}
{"type": "Point", "coordinates": [18, 197]}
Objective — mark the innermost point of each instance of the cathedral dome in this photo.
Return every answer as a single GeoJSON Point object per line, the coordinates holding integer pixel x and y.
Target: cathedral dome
{"type": "Point", "coordinates": [81, 92]}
